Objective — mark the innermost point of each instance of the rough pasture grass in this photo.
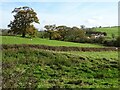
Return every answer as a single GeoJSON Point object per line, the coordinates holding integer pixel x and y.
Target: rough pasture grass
{"type": "Point", "coordinates": [20, 40]}
{"type": "Point", "coordinates": [109, 31]}
{"type": "Point", "coordinates": [103, 54]}
{"type": "Point", "coordinates": [37, 68]}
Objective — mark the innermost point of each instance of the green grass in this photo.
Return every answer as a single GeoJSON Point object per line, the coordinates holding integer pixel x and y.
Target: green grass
{"type": "Point", "coordinates": [103, 54]}
{"type": "Point", "coordinates": [40, 41]}
{"type": "Point", "coordinates": [109, 31]}
{"type": "Point", "coordinates": [46, 69]}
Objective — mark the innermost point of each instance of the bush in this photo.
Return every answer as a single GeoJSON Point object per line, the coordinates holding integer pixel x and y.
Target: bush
{"type": "Point", "coordinates": [6, 32]}
{"type": "Point", "coordinates": [117, 43]}
{"type": "Point", "coordinates": [109, 43]}
{"type": "Point", "coordinates": [42, 34]}
{"type": "Point", "coordinates": [99, 40]}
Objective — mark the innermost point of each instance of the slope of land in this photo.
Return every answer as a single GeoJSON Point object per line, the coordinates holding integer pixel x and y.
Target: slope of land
{"type": "Point", "coordinates": [49, 69]}
{"type": "Point", "coordinates": [109, 31]}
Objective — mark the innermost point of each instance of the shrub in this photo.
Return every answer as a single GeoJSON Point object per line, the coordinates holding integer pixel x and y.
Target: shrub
{"type": "Point", "coordinates": [118, 42]}
{"type": "Point", "coordinates": [109, 43]}
{"type": "Point", "coordinates": [100, 40]}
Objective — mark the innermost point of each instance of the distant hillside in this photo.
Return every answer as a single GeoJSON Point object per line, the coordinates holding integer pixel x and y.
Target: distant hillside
{"type": "Point", "coordinates": [109, 31]}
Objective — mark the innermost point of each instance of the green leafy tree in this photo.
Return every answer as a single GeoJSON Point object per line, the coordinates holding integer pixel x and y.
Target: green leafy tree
{"type": "Point", "coordinates": [32, 31]}
{"type": "Point", "coordinates": [118, 41]}
{"type": "Point", "coordinates": [75, 34]}
{"type": "Point", "coordinates": [50, 30]}
{"type": "Point", "coordinates": [56, 35]}
{"type": "Point", "coordinates": [23, 19]}
{"type": "Point", "coordinates": [63, 30]}
{"type": "Point", "coordinates": [82, 26]}
{"type": "Point", "coordinates": [113, 36]}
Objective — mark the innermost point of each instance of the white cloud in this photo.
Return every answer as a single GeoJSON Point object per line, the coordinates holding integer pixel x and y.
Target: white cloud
{"type": "Point", "coordinates": [101, 21]}
{"type": "Point", "coordinates": [92, 22]}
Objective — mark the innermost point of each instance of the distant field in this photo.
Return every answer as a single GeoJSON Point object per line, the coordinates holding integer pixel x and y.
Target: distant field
{"type": "Point", "coordinates": [20, 40]}
{"type": "Point", "coordinates": [109, 31]}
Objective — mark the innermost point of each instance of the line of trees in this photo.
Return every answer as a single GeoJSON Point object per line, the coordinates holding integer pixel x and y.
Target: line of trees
{"type": "Point", "coordinates": [64, 33]}
{"type": "Point", "coordinates": [72, 34]}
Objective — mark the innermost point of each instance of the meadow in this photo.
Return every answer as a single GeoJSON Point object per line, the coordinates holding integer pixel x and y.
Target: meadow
{"type": "Point", "coordinates": [40, 41]}
{"type": "Point", "coordinates": [35, 68]}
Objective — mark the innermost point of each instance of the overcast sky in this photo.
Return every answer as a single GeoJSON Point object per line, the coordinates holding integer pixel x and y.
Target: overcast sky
{"type": "Point", "coordinates": [66, 13]}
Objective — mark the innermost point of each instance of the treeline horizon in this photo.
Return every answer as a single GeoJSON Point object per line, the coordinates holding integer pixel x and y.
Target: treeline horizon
{"type": "Point", "coordinates": [40, 29]}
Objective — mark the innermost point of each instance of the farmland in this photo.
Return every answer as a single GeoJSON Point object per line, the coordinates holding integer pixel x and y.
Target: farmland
{"type": "Point", "coordinates": [35, 68]}
{"type": "Point", "coordinates": [26, 67]}
{"type": "Point", "coordinates": [40, 41]}
{"type": "Point", "coordinates": [109, 31]}
{"type": "Point", "coordinates": [65, 67]}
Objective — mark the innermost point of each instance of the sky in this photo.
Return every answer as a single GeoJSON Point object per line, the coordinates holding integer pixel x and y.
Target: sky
{"type": "Point", "coordinates": [90, 14]}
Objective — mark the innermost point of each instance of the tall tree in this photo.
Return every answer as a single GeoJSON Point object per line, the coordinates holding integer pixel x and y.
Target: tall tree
{"type": "Point", "coordinates": [82, 26]}
{"type": "Point", "coordinates": [50, 30]}
{"type": "Point", "coordinates": [75, 34]}
{"type": "Point", "coordinates": [23, 19]}
{"type": "Point", "coordinates": [63, 30]}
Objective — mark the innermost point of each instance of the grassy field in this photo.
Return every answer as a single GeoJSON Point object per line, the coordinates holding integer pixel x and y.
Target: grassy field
{"type": "Point", "coordinates": [20, 40]}
{"type": "Point", "coordinates": [93, 55]}
{"type": "Point", "coordinates": [48, 69]}
{"type": "Point", "coordinates": [36, 68]}
{"type": "Point", "coordinates": [109, 31]}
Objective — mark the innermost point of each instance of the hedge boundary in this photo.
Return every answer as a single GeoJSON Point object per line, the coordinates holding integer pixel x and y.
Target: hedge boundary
{"type": "Point", "coordinates": [57, 48]}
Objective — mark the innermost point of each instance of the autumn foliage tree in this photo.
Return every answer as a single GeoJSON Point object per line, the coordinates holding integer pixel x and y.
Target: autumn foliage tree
{"type": "Point", "coordinates": [23, 21]}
